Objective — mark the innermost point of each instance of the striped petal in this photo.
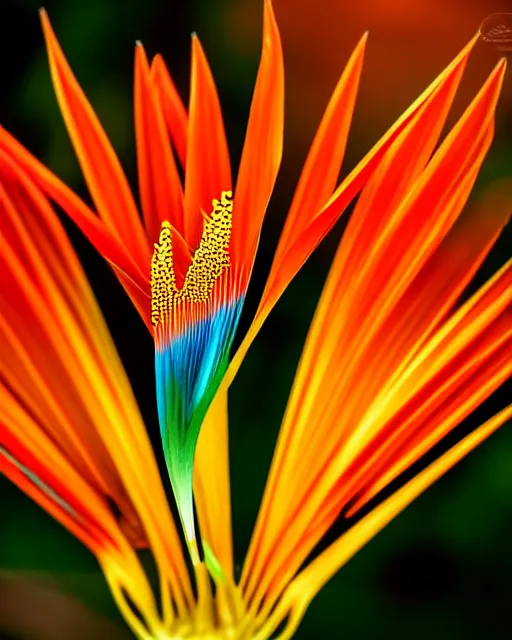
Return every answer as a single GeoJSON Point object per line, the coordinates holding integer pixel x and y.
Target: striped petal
{"type": "Point", "coordinates": [60, 365]}
{"type": "Point", "coordinates": [323, 163]}
{"type": "Point", "coordinates": [101, 168]}
{"type": "Point", "coordinates": [82, 510]}
{"type": "Point", "coordinates": [299, 594]}
{"type": "Point", "coordinates": [134, 280]}
{"type": "Point", "coordinates": [326, 421]}
{"type": "Point", "coordinates": [55, 485]}
{"type": "Point", "coordinates": [194, 330]}
{"type": "Point", "coordinates": [423, 122]}
{"type": "Point", "coordinates": [87, 221]}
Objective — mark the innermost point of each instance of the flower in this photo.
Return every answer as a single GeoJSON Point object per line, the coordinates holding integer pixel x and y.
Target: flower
{"type": "Point", "coordinates": [391, 364]}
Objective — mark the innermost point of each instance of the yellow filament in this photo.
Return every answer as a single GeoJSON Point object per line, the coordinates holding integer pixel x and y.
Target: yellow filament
{"type": "Point", "coordinates": [210, 260]}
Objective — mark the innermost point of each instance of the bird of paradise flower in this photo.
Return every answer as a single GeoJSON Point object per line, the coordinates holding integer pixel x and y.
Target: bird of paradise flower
{"type": "Point", "coordinates": [391, 364]}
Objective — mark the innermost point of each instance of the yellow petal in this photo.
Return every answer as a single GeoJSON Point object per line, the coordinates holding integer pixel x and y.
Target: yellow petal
{"type": "Point", "coordinates": [308, 583]}
{"type": "Point", "coordinates": [211, 482]}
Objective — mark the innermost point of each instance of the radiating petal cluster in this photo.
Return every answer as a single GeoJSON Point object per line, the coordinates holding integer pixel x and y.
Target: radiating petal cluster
{"type": "Point", "coordinates": [71, 433]}
{"type": "Point", "coordinates": [392, 364]}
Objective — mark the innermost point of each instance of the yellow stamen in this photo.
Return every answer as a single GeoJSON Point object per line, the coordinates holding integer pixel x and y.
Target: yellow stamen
{"type": "Point", "coordinates": [210, 260]}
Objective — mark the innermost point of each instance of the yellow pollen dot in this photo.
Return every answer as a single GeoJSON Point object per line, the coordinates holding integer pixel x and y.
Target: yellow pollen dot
{"type": "Point", "coordinates": [210, 260]}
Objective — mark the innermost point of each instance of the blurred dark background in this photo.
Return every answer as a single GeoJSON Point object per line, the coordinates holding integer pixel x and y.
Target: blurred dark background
{"type": "Point", "coordinates": [444, 567]}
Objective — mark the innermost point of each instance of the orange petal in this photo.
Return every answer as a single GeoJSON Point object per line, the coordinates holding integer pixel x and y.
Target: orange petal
{"type": "Point", "coordinates": [65, 495]}
{"type": "Point", "coordinates": [405, 242]}
{"type": "Point", "coordinates": [454, 372]}
{"type": "Point", "coordinates": [424, 427]}
{"type": "Point", "coordinates": [134, 282]}
{"type": "Point", "coordinates": [87, 221]}
{"type": "Point", "coordinates": [208, 171]}
{"type": "Point", "coordinates": [465, 362]}
{"type": "Point", "coordinates": [382, 225]}
{"type": "Point", "coordinates": [102, 171]}
{"type": "Point", "coordinates": [175, 114]}
{"type": "Point", "coordinates": [353, 308]}
{"type": "Point", "coordinates": [322, 167]}
{"type": "Point", "coordinates": [424, 120]}
{"type": "Point", "coordinates": [436, 288]}
{"type": "Point", "coordinates": [64, 344]}
{"type": "Point", "coordinates": [258, 170]}
{"type": "Point", "coordinates": [262, 152]}
{"type": "Point", "coordinates": [54, 484]}
{"type": "Point", "coordinates": [310, 581]}
{"type": "Point", "coordinates": [160, 188]}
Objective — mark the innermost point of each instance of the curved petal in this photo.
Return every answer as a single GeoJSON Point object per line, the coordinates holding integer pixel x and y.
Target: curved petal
{"type": "Point", "coordinates": [262, 152]}
{"type": "Point", "coordinates": [423, 121]}
{"type": "Point", "coordinates": [56, 486]}
{"type": "Point", "coordinates": [102, 170]}
{"type": "Point", "coordinates": [308, 583]}
{"type": "Point", "coordinates": [67, 376]}
{"type": "Point", "coordinates": [86, 220]}
{"type": "Point", "coordinates": [338, 361]}
{"type": "Point", "coordinates": [323, 164]}
{"type": "Point", "coordinates": [81, 510]}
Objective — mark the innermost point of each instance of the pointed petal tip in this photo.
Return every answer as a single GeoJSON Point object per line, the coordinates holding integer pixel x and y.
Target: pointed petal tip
{"type": "Point", "coordinates": [43, 16]}
{"type": "Point", "coordinates": [473, 39]}
{"type": "Point", "coordinates": [45, 21]}
{"type": "Point", "coordinates": [360, 47]}
{"type": "Point", "coordinates": [197, 47]}
{"type": "Point", "coordinates": [495, 79]}
{"type": "Point", "coordinates": [269, 22]}
{"type": "Point", "coordinates": [141, 59]}
{"type": "Point", "coordinates": [48, 32]}
{"type": "Point", "coordinates": [140, 54]}
{"type": "Point", "coordinates": [463, 55]}
{"type": "Point", "coordinates": [467, 49]}
{"type": "Point", "coordinates": [268, 10]}
{"type": "Point", "coordinates": [502, 64]}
